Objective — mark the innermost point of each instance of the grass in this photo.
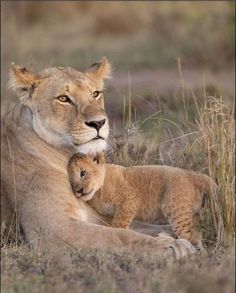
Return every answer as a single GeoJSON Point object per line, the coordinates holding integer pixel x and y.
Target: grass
{"type": "Point", "coordinates": [203, 142]}
{"type": "Point", "coordinates": [23, 271]}
{"type": "Point", "coordinates": [139, 34]}
{"type": "Point", "coordinates": [216, 127]}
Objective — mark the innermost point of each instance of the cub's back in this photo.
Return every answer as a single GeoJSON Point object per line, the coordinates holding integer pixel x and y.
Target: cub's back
{"type": "Point", "coordinates": [149, 174]}
{"type": "Point", "coordinates": [151, 182]}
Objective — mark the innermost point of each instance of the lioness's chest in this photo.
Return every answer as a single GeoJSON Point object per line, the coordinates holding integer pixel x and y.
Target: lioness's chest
{"type": "Point", "coordinates": [103, 208]}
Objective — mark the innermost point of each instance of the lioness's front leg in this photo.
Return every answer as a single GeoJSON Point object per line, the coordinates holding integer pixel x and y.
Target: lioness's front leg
{"type": "Point", "coordinates": [54, 217]}
{"type": "Point", "coordinates": [88, 236]}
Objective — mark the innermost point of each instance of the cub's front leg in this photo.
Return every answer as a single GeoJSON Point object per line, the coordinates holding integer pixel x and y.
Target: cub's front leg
{"type": "Point", "coordinates": [125, 213]}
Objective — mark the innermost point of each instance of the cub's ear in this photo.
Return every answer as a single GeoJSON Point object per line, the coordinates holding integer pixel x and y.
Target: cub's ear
{"type": "Point", "coordinates": [100, 70]}
{"type": "Point", "coordinates": [22, 81]}
{"type": "Point", "coordinates": [79, 156]}
{"type": "Point", "coordinates": [75, 159]}
{"type": "Point", "coordinates": [99, 158]}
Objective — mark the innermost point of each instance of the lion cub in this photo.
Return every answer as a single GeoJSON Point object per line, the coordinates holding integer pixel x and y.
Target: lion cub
{"type": "Point", "coordinates": [141, 192]}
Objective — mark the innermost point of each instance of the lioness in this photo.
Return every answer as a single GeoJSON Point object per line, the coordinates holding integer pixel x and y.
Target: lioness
{"type": "Point", "coordinates": [141, 192]}
{"type": "Point", "coordinates": [60, 112]}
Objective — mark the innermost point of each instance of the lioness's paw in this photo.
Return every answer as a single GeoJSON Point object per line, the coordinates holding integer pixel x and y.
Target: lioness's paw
{"type": "Point", "coordinates": [182, 248]}
{"type": "Point", "coordinates": [178, 248]}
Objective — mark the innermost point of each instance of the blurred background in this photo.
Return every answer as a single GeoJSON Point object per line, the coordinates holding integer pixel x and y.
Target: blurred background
{"type": "Point", "coordinates": [157, 49]}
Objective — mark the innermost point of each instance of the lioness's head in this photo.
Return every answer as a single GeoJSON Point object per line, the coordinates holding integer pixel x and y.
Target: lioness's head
{"type": "Point", "coordinates": [86, 174]}
{"type": "Point", "coordinates": [67, 105]}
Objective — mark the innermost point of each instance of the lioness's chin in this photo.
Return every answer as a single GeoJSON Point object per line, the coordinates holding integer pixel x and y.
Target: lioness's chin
{"type": "Point", "coordinates": [92, 147]}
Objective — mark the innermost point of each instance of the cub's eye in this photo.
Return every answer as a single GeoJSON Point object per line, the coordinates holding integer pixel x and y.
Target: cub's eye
{"type": "Point", "coordinates": [82, 174]}
{"type": "Point", "coordinates": [64, 99]}
{"type": "Point", "coordinates": [96, 94]}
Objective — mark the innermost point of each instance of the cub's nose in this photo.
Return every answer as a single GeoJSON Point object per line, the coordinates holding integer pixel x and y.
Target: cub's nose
{"type": "Point", "coordinates": [96, 124]}
{"type": "Point", "coordinates": [80, 190]}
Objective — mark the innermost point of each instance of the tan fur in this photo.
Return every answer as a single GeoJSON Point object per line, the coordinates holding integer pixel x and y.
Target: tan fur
{"type": "Point", "coordinates": [39, 135]}
{"type": "Point", "coordinates": [142, 193]}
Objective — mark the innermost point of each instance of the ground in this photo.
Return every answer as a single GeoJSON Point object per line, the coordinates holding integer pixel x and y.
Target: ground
{"type": "Point", "coordinates": [23, 271]}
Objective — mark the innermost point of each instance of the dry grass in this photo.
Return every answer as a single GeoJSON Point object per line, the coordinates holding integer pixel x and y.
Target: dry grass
{"type": "Point", "coordinates": [23, 271]}
{"type": "Point", "coordinates": [205, 145]}
{"type": "Point", "coordinates": [216, 129]}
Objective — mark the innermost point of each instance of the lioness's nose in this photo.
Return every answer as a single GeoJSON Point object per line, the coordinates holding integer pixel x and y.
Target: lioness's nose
{"type": "Point", "coordinates": [96, 124]}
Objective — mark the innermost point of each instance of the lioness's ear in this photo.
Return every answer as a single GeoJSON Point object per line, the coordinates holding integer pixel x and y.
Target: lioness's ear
{"type": "Point", "coordinates": [99, 158]}
{"type": "Point", "coordinates": [22, 81]}
{"type": "Point", "coordinates": [100, 70]}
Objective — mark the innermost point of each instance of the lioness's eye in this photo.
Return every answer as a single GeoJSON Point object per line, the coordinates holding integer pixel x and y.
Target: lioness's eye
{"type": "Point", "coordinates": [96, 94]}
{"type": "Point", "coordinates": [82, 173]}
{"type": "Point", "coordinates": [64, 99]}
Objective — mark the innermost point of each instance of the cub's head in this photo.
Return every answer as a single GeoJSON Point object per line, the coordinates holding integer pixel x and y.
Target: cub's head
{"type": "Point", "coordinates": [86, 174]}
{"type": "Point", "coordinates": [66, 105]}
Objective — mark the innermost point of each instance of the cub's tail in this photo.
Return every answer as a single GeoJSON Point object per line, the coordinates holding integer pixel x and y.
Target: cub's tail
{"type": "Point", "coordinates": [206, 185]}
{"type": "Point", "coordinates": [211, 192]}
